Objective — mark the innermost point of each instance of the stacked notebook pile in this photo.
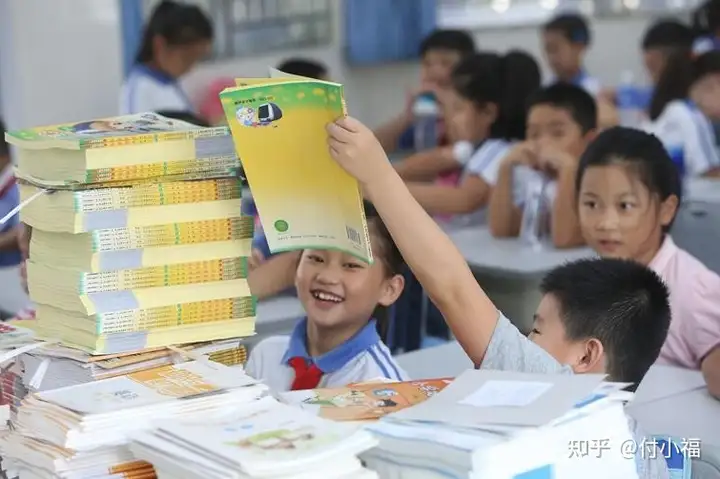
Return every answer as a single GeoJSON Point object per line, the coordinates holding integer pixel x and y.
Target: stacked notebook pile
{"type": "Point", "coordinates": [263, 439]}
{"type": "Point", "coordinates": [54, 366]}
{"type": "Point", "coordinates": [493, 425]}
{"type": "Point", "coordinates": [82, 431]}
{"type": "Point", "coordinates": [137, 236]}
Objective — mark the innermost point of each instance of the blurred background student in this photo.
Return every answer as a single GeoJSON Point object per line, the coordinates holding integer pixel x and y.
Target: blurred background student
{"type": "Point", "coordinates": [176, 38]}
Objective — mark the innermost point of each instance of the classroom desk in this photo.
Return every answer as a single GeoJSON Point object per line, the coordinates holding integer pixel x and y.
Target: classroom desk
{"type": "Point", "coordinates": [704, 190]}
{"type": "Point", "coordinates": [509, 270]}
{"type": "Point", "coordinates": [276, 316]}
{"type": "Point", "coordinates": [675, 402]}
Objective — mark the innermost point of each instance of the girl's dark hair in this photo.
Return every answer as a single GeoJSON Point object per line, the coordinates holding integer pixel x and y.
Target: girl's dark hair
{"type": "Point", "coordinates": [389, 255]}
{"type": "Point", "coordinates": [706, 18]}
{"type": "Point", "coordinates": [505, 80]}
{"type": "Point", "coordinates": [643, 152]}
{"type": "Point", "coordinates": [179, 24]}
{"type": "Point", "coordinates": [304, 68]}
{"type": "Point", "coordinates": [674, 82]}
{"type": "Point", "coordinates": [681, 71]}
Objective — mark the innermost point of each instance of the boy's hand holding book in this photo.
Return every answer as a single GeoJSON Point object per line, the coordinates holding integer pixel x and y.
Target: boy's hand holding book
{"type": "Point", "coordinates": [357, 151]}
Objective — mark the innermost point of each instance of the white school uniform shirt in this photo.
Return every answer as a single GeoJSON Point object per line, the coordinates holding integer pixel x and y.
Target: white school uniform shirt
{"type": "Point", "coordinates": [363, 357]}
{"type": "Point", "coordinates": [684, 130]}
{"type": "Point", "coordinates": [485, 163]}
{"type": "Point", "coordinates": [588, 83]}
{"type": "Point", "coordinates": [146, 89]}
{"type": "Point", "coordinates": [525, 177]}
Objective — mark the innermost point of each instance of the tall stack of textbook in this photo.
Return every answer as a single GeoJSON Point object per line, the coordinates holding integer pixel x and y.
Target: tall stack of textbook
{"type": "Point", "coordinates": [138, 241]}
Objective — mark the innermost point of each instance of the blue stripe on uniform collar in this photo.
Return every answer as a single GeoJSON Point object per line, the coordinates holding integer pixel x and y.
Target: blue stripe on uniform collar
{"type": "Point", "coordinates": [336, 359]}
{"type": "Point", "coordinates": [154, 73]}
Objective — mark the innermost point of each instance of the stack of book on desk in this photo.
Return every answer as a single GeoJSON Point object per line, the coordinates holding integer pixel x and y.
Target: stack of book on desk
{"type": "Point", "coordinates": [137, 237]}
{"type": "Point", "coordinates": [76, 431]}
{"type": "Point", "coordinates": [263, 439]}
{"type": "Point", "coordinates": [492, 425]}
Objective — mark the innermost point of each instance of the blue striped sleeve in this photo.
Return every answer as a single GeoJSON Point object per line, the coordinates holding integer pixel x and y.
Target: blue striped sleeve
{"type": "Point", "coordinates": [707, 156]}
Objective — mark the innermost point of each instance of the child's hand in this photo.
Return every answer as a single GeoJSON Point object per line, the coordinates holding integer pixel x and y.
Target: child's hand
{"type": "Point", "coordinates": [554, 161]}
{"type": "Point", "coordinates": [522, 154]}
{"type": "Point", "coordinates": [256, 259]}
{"type": "Point", "coordinates": [357, 151]}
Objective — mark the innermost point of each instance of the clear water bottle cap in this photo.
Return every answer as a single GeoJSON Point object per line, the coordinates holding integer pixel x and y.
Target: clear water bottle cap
{"type": "Point", "coordinates": [425, 106]}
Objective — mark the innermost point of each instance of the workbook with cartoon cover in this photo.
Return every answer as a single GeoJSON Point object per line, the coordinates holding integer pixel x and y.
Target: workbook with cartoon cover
{"type": "Point", "coordinates": [305, 200]}
{"type": "Point", "coordinates": [365, 401]}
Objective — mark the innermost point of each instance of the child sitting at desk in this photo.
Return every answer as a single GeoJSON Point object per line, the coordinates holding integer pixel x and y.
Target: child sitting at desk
{"type": "Point", "coordinates": [485, 112]}
{"type": "Point", "coordinates": [566, 39]}
{"type": "Point", "coordinates": [683, 99]}
{"type": "Point", "coordinates": [596, 316]}
{"type": "Point", "coordinates": [336, 344]}
{"type": "Point", "coordinates": [628, 192]}
{"type": "Point", "coordinates": [561, 121]}
{"type": "Point", "coordinates": [440, 52]}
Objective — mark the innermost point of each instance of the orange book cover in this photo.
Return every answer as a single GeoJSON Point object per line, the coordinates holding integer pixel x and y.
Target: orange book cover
{"type": "Point", "coordinates": [365, 401]}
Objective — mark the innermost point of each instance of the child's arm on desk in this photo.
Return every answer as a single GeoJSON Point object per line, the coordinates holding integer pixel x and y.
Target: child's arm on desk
{"type": "Point", "coordinates": [426, 165]}
{"type": "Point", "coordinates": [431, 255]}
{"type": "Point", "coordinates": [503, 215]}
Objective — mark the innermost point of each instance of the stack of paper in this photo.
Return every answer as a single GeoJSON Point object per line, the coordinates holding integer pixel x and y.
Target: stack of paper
{"type": "Point", "coordinates": [264, 439]}
{"type": "Point", "coordinates": [497, 425]}
{"type": "Point", "coordinates": [82, 431]}
{"type": "Point", "coordinates": [56, 366]}
{"type": "Point", "coordinates": [124, 256]}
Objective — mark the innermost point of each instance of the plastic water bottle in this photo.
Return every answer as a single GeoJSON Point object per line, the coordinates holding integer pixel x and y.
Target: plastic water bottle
{"type": "Point", "coordinates": [534, 215]}
{"type": "Point", "coordinates": [630, 101]}
{"type": "Point", "coordinates": [425, 111]}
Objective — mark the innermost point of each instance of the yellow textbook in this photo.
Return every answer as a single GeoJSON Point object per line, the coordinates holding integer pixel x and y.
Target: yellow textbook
{"type": "Point", "coordinates": [304, 199]}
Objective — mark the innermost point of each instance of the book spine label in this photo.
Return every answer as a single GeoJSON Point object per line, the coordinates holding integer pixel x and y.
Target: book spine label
{"type": "Point", "coordinates": [111, 141]}
{"type": "Point", "coordinates": [178, 315]}
{"type": "Point", "coordinates": [175, 275]}
{"type": "Point", "coordinates": [158, 170]}
{"type": "Point", "coordinates": [173, 234]}
{"type": "Point", "coordinates": [230, 357]}
{"type": "Point", "coordinates": [156, 195]}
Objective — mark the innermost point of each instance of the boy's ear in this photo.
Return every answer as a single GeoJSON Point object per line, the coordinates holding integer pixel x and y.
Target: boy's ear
{"type": "Point", "coordinates": [392, 290]}
{"type": "Point", "coordinates": [592, 359]}
{"type": "Point", "coordinates": [668, 209]}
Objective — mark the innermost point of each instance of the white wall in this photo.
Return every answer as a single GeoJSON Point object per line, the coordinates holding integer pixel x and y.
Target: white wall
{"type": "Point", "coordinates": [61, 61]}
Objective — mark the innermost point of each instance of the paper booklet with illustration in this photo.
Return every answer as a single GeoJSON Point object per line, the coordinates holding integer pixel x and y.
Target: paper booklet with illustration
{"type": "Point", "coordinates": [303, 197]}
{"type": "Point", "coordinates": [263, 439]}
{"type": "Point", "coordinates": [121, 149]}
{"type": "Point", "coordinates": [366, 401]}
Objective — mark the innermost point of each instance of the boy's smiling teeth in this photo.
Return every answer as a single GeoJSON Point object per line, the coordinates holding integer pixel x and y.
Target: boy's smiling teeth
{"type": "Point", "coordinates": [325, 296]}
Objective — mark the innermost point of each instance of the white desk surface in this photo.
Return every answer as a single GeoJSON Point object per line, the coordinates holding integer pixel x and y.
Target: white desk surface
{"type": "Point", "coordinates": [509, 257]}
{"type": "Point", "coordinates": [278, 315]}
{"type": "Point", "coordinates": [445, 361]}
{"type": "Point", "coordinates": [704, 190]}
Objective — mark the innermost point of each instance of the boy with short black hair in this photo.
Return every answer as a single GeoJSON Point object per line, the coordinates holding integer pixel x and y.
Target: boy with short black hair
{"type": "Point", "coordinates": [440, 52]}
{"type": "Point", "coordinates": [305, 68]}
{"type": "Point", "coordinates": [566, 39]}
{"type": "Point", "coordinates": [561, 121]}
{"type": "Point", "coordinates": [596, 316]}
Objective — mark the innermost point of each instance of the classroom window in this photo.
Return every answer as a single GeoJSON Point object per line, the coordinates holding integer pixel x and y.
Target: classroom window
{"type": "Point", "coordinates": [246, 28]}
{"type": "Point", "coordinates": [482, 14]}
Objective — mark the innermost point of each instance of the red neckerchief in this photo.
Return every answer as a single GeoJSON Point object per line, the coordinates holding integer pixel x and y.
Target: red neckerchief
{"type": "Point", "coordinates": [306, 376]}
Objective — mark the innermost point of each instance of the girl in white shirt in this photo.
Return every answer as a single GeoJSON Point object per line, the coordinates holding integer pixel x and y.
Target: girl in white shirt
{"type": "Point", "coordinates": [679, 122]}
{"type": "Point", "coordinates": [176, 37]}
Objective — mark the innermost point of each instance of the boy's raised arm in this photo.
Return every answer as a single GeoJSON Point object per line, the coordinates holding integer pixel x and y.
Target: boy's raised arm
{"type": "Point", "coordinates": [431, 255]}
